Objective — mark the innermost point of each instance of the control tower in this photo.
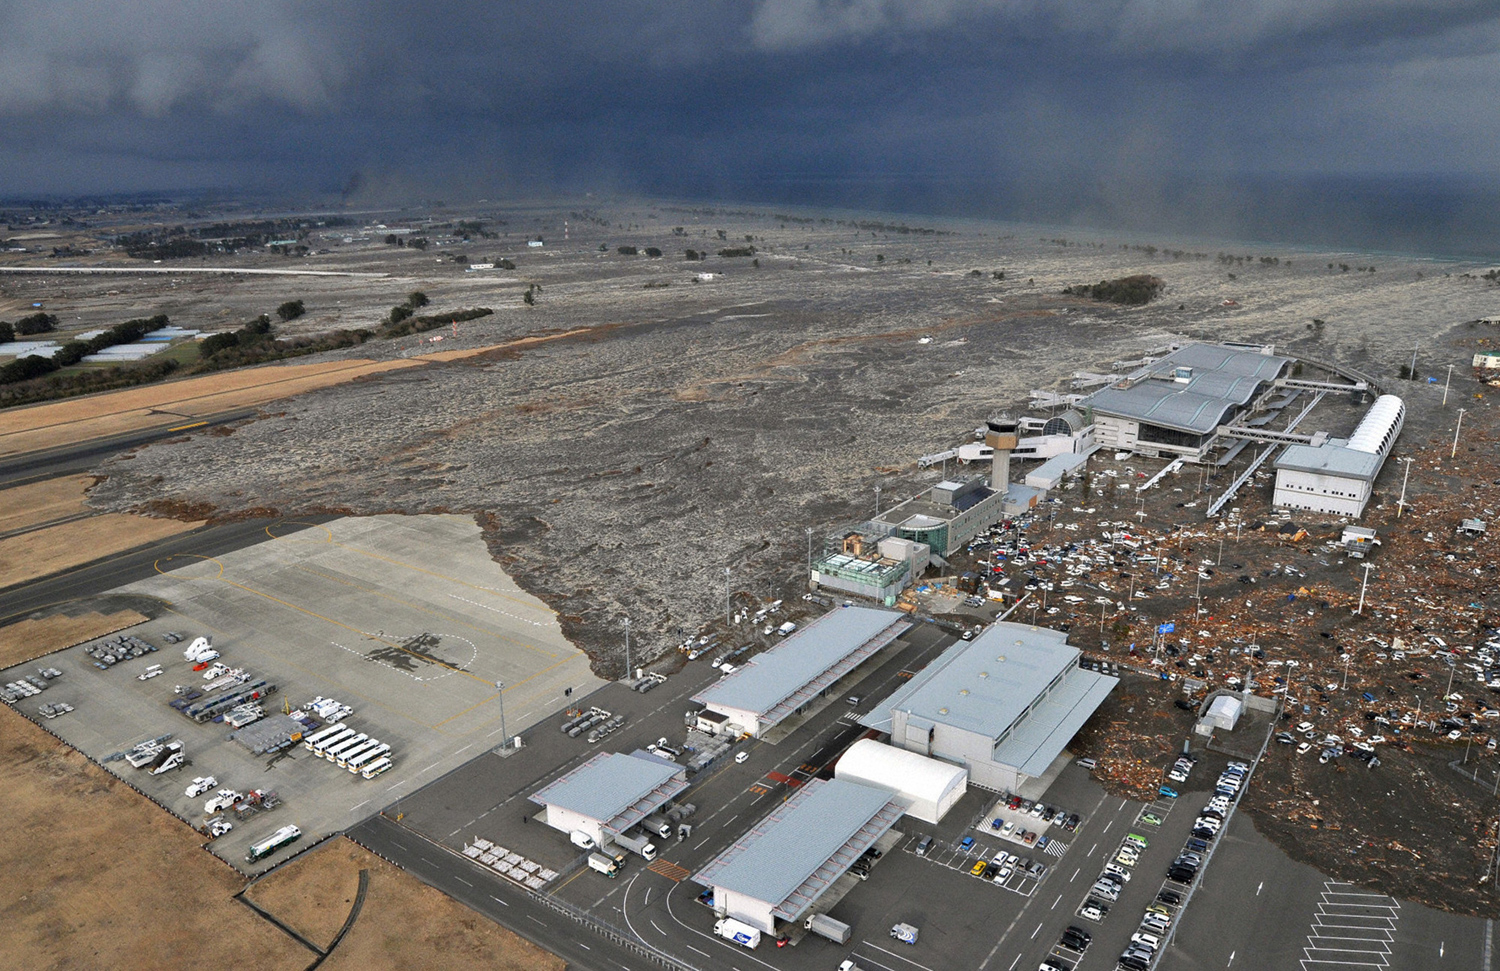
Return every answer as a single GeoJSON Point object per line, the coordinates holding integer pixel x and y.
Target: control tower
{"type": "Point", "coordinates": [1002, 437]}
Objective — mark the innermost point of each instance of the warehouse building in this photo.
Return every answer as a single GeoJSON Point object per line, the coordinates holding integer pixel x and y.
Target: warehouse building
{"type": "Point", "coordinates": [785, 862]}
{"type": "Point", "coordinates": [1174, 406]}
{"type": "Point", "coordinates": [610, 793]}
{"type": "Point", "coordinates": [1004, 705]}
{"type": "Point", "coordinates": [1338, 476]}
{"type": "Point", "coordinates": [925, 788]}
{"type": "Point", "coordinates": [779, 682]}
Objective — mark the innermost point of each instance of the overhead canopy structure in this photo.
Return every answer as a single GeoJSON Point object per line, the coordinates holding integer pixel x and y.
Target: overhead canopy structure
{"type": "Point", "coordinates": [786, 861]}
{"type": "Point", "coordinates": [609, 793]}
{"type": "Point", "coordinates": [772, 685]}
{"type": "Point", "coordinates": [925, 787]}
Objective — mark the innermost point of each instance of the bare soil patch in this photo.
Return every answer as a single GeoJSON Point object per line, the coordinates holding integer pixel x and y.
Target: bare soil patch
{"type": "Point", "coordinates": [97, 877]}
{"type": "Point", "coordinates": [27, 639]}
{"type": "Point", "coordinates": [45, 551]}
{"type": "Point", "coordinates": [404, 922]}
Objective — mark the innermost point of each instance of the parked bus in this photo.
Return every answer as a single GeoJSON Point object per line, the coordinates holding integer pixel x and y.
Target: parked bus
{"type": "Point", "coordinates": [348, 745]}
{"type": "Point", "coordinates": [375, 768]}
{"type": "Point", "coordinates": [361, 748]}
{"type": "Point", "coordinates": [327, 731]}
{"type": "Point", "coordinates": [322, 747]}
{"type": "Point", "coordinates": [368, 757]}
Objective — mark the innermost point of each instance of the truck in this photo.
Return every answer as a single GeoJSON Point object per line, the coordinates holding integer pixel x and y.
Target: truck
{"type": "Point", "coordinates": [606, 865]}
{"type": "Point", "coordinates": [285, 836]}
{"type": "Point", "coordinates": [824, 926]}
{"type": "Point", "coordinates": [170, 758]}
{"type": "Point", "coordinates": [657, 824]}
{"type": "Point", "coordinates": [905, 933]}
{"type": "Point", "coordinates": [639, 845]}
{"type": "Point", "coordinates": [737, 931]}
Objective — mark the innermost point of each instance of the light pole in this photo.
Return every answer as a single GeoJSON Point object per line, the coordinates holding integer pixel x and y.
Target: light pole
{"type": "Point", "coordinates": [809, 552]}
{"type": "Point", "coordinates": [728, 613]}
{"type": "Point", "coordinates": [500, 693]}
{"type": "Point", "coordinates": [877, 502]}
{"type": "Point", "coordinates": [1367, 567]}
{"type": "Point", "coordinates": [1445, 385]}
{"type": "Point", "coordinates": [1401, 503]}
{"type": "Point", "coordinates": [627, 649]}
{"type": "Point", "coordinates": [1220, 560]}
{"type": "Point", "coordinates": [1454, 450]}
{"type": "Point", "coordinates": [1412, 371]}
{"type": "Point", "coordinates": [1347, 659]}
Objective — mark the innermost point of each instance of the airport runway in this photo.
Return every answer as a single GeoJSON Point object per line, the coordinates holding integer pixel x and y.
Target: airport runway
{"type": "Point", "coordinates": [51, 463]}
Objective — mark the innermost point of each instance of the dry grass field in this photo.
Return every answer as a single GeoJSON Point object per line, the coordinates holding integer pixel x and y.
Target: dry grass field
{"type": "Point", "coordinates": [97, 877]}
{"type": "Point", "coordinates": [42, 502]}
{"type": "Point", "coordinates": [403, 924]}
{"type": "Point", "coordinates": [45, 551]}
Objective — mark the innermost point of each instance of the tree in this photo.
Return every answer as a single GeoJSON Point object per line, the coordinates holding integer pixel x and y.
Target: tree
{"type": "Point", "coordinates": [7, 332]}
{"type": "Point", "coordinates": [37, 323]}
{"type": "Point", "coordinates": [530, 295]}
{"type": "Point", "coordinates": [399, 313]}
{"type": "Point", "coordinates": [416, 299]}
{"type": "Point", "coordinates": [652, 251]}
{"type": "Point", "coordinates": [291, 310]}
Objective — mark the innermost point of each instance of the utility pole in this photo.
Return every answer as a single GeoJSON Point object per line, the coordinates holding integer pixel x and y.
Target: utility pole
{"type": "Point", "coordinates": [1454, 450]}
{"type": "Point", "coordinates": [809, 552]}
{"type": "Point", "coordinates": [877, 502]}
{"type": "Point", "coordinates": [1445, 385]}
{"type": "Point", "coordinates": [1401, 503]}
{"type": "Point", "coordinates": [1367, 567]}
{"type": "Point", "coordinates": [728, 613]}
{"type": "Point", "coordinates": [1347, 659]}
{"type": "Point", "coordinates": [628, 668]}
{"type": "Point", "coordinates": [1412, 371]}
{"type": "Point", "coordinates": [500, 693]}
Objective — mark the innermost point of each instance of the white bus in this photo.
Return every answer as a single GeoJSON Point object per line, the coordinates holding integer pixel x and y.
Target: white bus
{"type": "Point", "coordinates": [322, 747]}
{"type": "Point", "coordinates": [360, 749]}
{"type": "Point", "coordinates": [366, 757]}
{"type": "Point", "coordinates": [375, 768]}
{"type": "Point", "coordinates": [328, 731]}
{"type": "Point", "coordinates": [349, 745]}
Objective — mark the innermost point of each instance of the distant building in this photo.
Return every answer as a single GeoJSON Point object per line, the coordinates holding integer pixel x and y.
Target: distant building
{"type": "Point", "coordinates": [878, 571]}
{"type": "Point", "coordinates": [1338, 476]}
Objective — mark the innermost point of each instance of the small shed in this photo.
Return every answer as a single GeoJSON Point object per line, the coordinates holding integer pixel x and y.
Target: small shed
{"type": "Point", "coordinates": [1224, 712]}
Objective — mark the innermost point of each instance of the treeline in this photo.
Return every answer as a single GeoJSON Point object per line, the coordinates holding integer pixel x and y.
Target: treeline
{"type": "Point", "coordinates": [1129, 290]}
{"type": "Point", "coordinates": [26, 368]}
{"type": "Point", "coordinates": [37, 323]}
{"type": "Point", "coordinates": [84, 382]}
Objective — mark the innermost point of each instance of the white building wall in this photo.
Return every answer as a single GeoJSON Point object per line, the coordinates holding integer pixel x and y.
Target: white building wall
{"type": "Point", "coordinates": [748, 720]}
{"type": "Point", "coordinates": [756, 913]}
{"type": "Point", "coordinates": [566, 820]}
{"type": "Point", "coordinates": [1320, 492]}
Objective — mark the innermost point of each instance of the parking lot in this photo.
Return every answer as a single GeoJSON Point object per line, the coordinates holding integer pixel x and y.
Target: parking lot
{"type": "Point", "coordinates": [406, 620]}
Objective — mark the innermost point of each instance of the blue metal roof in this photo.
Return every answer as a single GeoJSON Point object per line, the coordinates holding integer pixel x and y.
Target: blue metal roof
{"type": "Point", "coordinates": [769, 684]}
{"type": "Point", "coordinates": [792, 855]}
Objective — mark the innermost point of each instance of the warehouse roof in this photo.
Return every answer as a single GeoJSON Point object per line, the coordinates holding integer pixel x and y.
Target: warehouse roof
{"type": "Point", "coordinates": [1332, 458]}
{"type": "Point", "coordinates": [618, 790]}
{"type": "Point", "coordinates": [1045, 732]}
{"type": "Point", "coordinates": [776, 683]}
{"type": "Point", "coordinates": [873, 763]}
{"type": "Point", "coordinates": [983, 685]}
{"type": "Point", "coordinates": [1191, 388]}
{"type": "Point", "coordinates": [792, 855]}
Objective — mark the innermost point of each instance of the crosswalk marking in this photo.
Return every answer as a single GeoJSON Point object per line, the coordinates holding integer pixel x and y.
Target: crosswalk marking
{"type": "Point", "coordinates": [1056, 848]}
{"type": "Point", "coordinates": [1351, 929]}
{"type": "Point", "coordinates": [669, 870]}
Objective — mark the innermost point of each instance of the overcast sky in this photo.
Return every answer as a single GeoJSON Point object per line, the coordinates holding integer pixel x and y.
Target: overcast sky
{"type": "Point", "coordinates": [1121, 96]}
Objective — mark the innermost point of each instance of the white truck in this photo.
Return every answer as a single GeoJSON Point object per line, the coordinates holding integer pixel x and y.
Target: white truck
{"type": "Point", "coordinates": [639, 845]}
{"type": "Point", "coordinates": [600, 863]}
{"type": "Point", "coordinates": [200, 650]}
{"type": "Point", "coordinates": [738, 931]}
{"type": "Point", "coordinates": [905, 933]}
{"type": "Point", "coordinates": [824, 926]}
{"type": "Point", "coordinates": [657, 824]}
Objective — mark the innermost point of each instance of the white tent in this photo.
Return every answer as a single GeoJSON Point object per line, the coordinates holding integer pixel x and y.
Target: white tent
{"type": "Point", "coordinates": [927, 787]}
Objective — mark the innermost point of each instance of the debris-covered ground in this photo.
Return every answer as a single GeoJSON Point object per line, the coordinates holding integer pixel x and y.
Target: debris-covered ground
{"type": "Point", "coordinates": [688, 426]}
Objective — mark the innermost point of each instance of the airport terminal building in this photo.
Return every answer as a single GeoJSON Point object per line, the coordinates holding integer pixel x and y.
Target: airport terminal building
{"type": "Point", "coordinates": [1174, 406]}
{"type": "Point", "coordinates": [1004, 705]}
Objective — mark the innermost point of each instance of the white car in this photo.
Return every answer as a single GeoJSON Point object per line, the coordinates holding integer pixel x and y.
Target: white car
{"type": "Point", "coordinates": [742, 758]}
{"type": "Point", "coordinates": [200, 785]}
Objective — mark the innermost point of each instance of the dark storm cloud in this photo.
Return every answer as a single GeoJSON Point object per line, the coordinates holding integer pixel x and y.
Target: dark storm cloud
{"type": "Point", "coordinates": [715, 96]}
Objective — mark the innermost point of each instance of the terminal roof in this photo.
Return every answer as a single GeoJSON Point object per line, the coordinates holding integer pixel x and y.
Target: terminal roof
{"type": "Point", "coordinates": [617, 790]}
